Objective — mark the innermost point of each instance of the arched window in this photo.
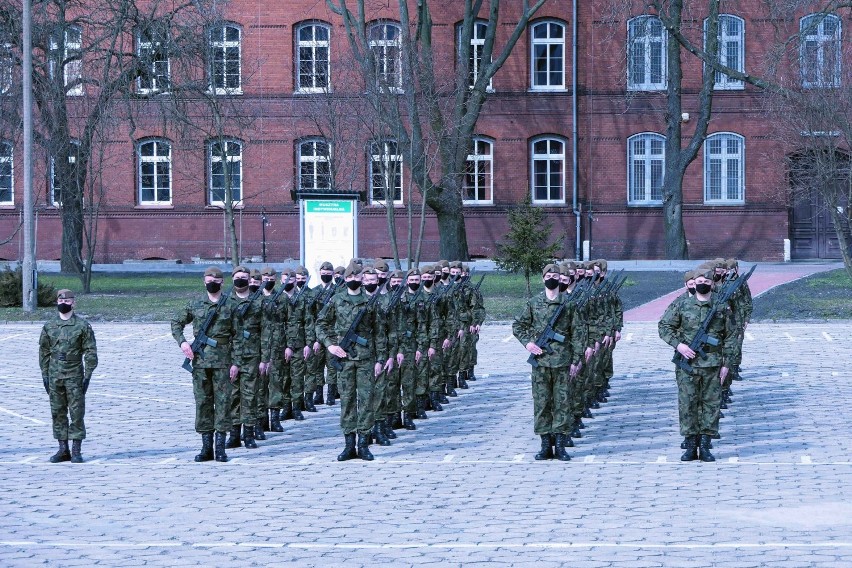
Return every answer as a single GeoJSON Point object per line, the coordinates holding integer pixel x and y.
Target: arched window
{"type": "Point", "coordinates": [225, 59]}
{"type": "Point", "coordinates": [478, 185]}
{"type": "Point", "coordinates": [548, 170]}
{"type": "Point", "coordinates": [152, 50]}
{"type": "Point", "coordinates": [386, 47]}
{"type": "Point", "coordinates": [63, 178]}
{"type": "Point", "coordinates": [731, 50]}
{"type": "Point", "coordinates": [477, 47]}
{"type": "Point", "coordinates": [724, 169]}
{"type": "Point", "coordinates": [312, 58]}
{"type": "Point", "coordinates": [385, 172]}
{"type": "Point", "coordinates": [646, 55]}
{"type": "Point", "coordinates": [70, 59]}
{"type": "Point", "coordinates": [820, 50]}
{"type": "Point", "coordinates": [7, 174]}
{"type": "Point", "coordinates": [155, 172]}
{"type": "Point", "coordinates": [226, 171]}
{"type": "Point", "coordinates": [314, 165]}
{"type": "Point", "coordinates": [548, 55]}
{"type": "Point", "coordinates": [646, 164]}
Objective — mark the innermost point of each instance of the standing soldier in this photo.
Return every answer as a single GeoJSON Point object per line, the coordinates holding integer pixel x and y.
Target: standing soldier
{"type": "Point", "coordinates": [555, 370]}
{"type": "Point", "coordinates": [267, 330]}
{"type": "Point", "coordinates": [370, 282]}
{"type": "Point", "coordinates": [68, 356]}
{"type": "Point", "coordinates": [699, 387]}
{"type": "Point", "coordinates": [317, 362]}
{"type": "Point", "coordinates": [478, 318]}
{"type": "Point", "coordinates": [212, 371]}
{"type": "Point", "coordinates": [396, 316]}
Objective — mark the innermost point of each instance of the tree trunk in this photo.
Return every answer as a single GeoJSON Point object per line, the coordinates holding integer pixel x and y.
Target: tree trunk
{"type": "Point", "coordinates": [72, 235]}
{"type": "Point", "coordinates": [676, 248]}
{"type": "Point", "coordinates": [447, 204]}
{"type": "Point", "coordinates": [841, 228]}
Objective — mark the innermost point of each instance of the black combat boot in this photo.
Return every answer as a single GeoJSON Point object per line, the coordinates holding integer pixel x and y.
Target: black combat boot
{"type": "Point", "coordinates": [427, 401]}
{"type": "Point", "coordinates": [309, 403]}
{"type": "Point", "coordinates": [234, 438]}
{"type": "Point", "coordinates": [592, 403]}
{"type": "Point", "coordinates": [221, 456]}
{"type": "Point", "coordinates": [318, 399]}
{"type": "Point", "coordinates": [336, 393]}
{"type": "Point", "coordinates": [606, 392]}
{"type": "Point", "coordinates": [586, 414]}
{"type": "Point", "coordinates": [569, 443]}
{"type": "Point", "coordinates": [275, 420]}
{"type": "Point", "coordinates": [462, 381]}
{"type": "Point", "coordinates": [379, 434]}
{"type": "Point", "coordinates": [364, 448]}
{"type": "Point", "coordinates": [703, 449]}
{"type": "Point", "coordinates": [297, 410]}
{"type": "Point", "coordinates": [348, 452]}
{"type": "Point", "coordinates": [408, 422]}
{"type": "Point", "coordinates": [258, 430]}
{"type": "Point", "coordinates": [436, 404]}
{"type": "Point", "coordinates": [287, 412]}
{"type": "Point", "coordinates": [721, 414]}
{"type": "Point", "coordinates": [683, 444]}
{"type": "Point", "coordinates": [601, 397]}
{"type": "Point", "coordinates": [575, 431]}
{"type": "Point", "coordinates": [736, 372]}
{"type": "Point", "coordinates": [580, 425]}
{"type": "Point", "coordinates": [76, 457]}
{"type": "Point", "coordinates": [206, 447]}
{"type": "Point", "coordinates": [470, 375]}
{"type": "Point", "coordinates": [546, 452]}
{"type": "Point", "coordinates": [332, 395]}
{"type": "Point", "coordinates": [248, 434]}
{"type": "Point", "coordinates": [397, 417]}
{"type": "Point", "coordinates": [63, 454]}
{"type": "Point", "coordinates": [265, 424]}
{"type": "Point", "coordinates": [691, 453]}
{"type": "Point", "coordinates": [388, 426]}
{"type": "Point", "coordinates": [421, 407]}
{"type": "Point", "coordinates": [723, 406]}
{"type": "Point", "coordinates": [442, 395]}
{"type": "Point", "coordinates": [560, 452]}
{"type": "Point", "coordinates": [451, 391]}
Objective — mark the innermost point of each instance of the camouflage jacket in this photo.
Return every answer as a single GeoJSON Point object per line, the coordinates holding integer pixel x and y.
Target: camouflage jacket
{"type": "Point", "coordinates": [533, 319]}
{"type": "Point", "coordinates": [272, 325]}
{"type": "Point", "coordinates": [742, 305]}
{"type": "Point", "coordinates": [67, 349]}
{"type": "Point", "coordinates": [682, 320]}
{"type": "Point", "coordinates": [337, 316]}
{"type": "Point", "coordinates": [412, 323]}
{"type": "Point", "coordinates": [247, 327]}
{"type": "Point", "coordinates": [477, 307]}
{"type": "Point", "coordinates": [221, 330]}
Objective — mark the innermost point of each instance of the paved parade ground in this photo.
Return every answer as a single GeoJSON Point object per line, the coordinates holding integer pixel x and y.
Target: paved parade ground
{"type": "Point", "coordinates": [462, 489]}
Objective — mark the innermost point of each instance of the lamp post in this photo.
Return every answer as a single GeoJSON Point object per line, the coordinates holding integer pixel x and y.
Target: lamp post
{"type": "Point", "coordinates": [263, 221]}
{"type": "Point", "coordinates": [28, 269]}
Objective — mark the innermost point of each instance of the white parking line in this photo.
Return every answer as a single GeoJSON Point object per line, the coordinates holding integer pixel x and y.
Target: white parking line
{"type": "Point", "coordinates": [508, 339]}
{"type": "Point", "coordinates": [733, 460]}
{"type": "Point", "coordinates": [448, 458]}
{"type": "Point", "coordinates": [589, 459]}
{"type": "Point", "coordinates": [807, 460]}
{"type": "Point", "coordinates": [307, 460]}
{"type": "Point", "coordinates": [160, 337]}
{"type": "Point", "coordinates": [518, 458]}
{"type": "Point", "coordinates": [167, 460]}
{"type": "Point", "coordinates": [827, 336]}
{"type": "Point", "coordinates": [16, 415]}
{"type": "Point", "coordinates": [661, 459]}
{"type": "Point", "coordinates": [8, 337]}
{"type": "Point", "coordinates": [790, 337]}
{"type": "Point", "coordinates": [628, 337]}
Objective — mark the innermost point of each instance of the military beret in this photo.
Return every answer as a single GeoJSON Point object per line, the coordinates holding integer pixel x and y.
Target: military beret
{"type": "Point", "coordinates": [267, 271]}
{"type": "Point", "coordinates": [456, 264]}
{"type": "Point", "coordinates": [381, 265]}
{"type": "Point", "coordinates": [731, 263]}
{"type": "Point", "coordinates": [301, 270]}
{"type": "Point", "coordinates": [426, 268]}
{"type": "Point", "coordinates": [589, 265]}
{"type": "Point", "coordinates": [290, 273]}
{"type": "Point", "coordinates": [550, 268]}
{"type": "Point", "coordinates": [352, 270]}
{"type": "Point", "coordinates": [602, 264]}
{"type": "Point", "coordinates": [413, 272]}
{"type": "Point", "coordinates": [368, 270]}
{"type": "Point", "coordinates": [326, 266]}
{"type": "Point", "coordinates": [443, 264]}
{"type": "Point", "coordinates": [705, 266]}
{"type": "Point", "coordinates": [688, 275]}
{"type": "Point", "coordinates": [339, 270]}
{"type": "Point", "coordinates": [708, 274]}
{"type": "Point", "coordinates": [65, 294]}
{"type": "Point", "coordinates": [239, 268]}
{"type": "Point", "coordinates": [213, 271]}
{"type": "Point", "coordinates": [437, 269]}
{"type": "Point", "coordinates": [254, 274]}
{"type": "Point", "coordinates": [465, 268]}
{"type": "Point", "coordinates": [571, 265]}
{"type": "Point", "coordinates": [396, 274]}
{"type": "Point", "coordinates": [563, 269]}
{"type": "Point", "coordinates": [357, 261]}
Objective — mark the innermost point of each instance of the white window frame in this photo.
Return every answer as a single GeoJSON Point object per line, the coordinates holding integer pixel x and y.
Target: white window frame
{"type": "Point", "coordinates": [313, 45]}
{"type": "Point", "coordinates": [7, 156]}
{"type": "Point", "coordinates": [721, 81]}
{"type": "Point", "coordinates": [143, 44]}
{"type": "Point", "coordinates": [155, 159]}
{"type": "Point", "coordinates": [548, 42]}
{"type": "Point", "coordinates": [477, 45]}
{"type": "Point", "coordinates": [7, 65]}
{"type": "Point", "coordinates": [219, 46]}
{"type": "Point", "coordinates": [385, 159]}
{"type": "Point", "coordinates": [550, 158]}
{"type": "Point", "coordinates": [724, 158]}
{"type": "Point", "coordinates": [381, 47]}
{"type": "Point", "coordinates": [314, 160]}
{"type": "Point", "coordinates": [474, 160]}
{"type": "Point", "coordinates": [72, 71]}
{"type": "Point", "coordinates": [823, 43]}
{"type": "Point", "coordinates": [634, 26]}
{"type": "Point", "coordinates": [648, 160]}
{"type": "Point", "coordinates": [72, 159]}
{"type": "Point", "coordinates": [232, 159]}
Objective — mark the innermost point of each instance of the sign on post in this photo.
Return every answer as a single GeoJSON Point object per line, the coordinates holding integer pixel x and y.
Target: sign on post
{"type": "Point", "coordinates": [329, 232]}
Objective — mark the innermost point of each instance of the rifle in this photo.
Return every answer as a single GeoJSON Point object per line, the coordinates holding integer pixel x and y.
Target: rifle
{"type": "Point", "coordinates": [202, 340]}
{"type": "Point", "coordinates": [323, 297]}
{"type": "Point", "coordinates": [350, 337]}
{"type": "Point", "coordinates": [397, 294]}
{"type": "Point", "coordinates": [702, 337]}
{"type": "Point", "coordinates": [301, 291]}
{"type": "Point", "coordinates": [548, 335]}
{"type": "Point", "coordinates": [241, 311]}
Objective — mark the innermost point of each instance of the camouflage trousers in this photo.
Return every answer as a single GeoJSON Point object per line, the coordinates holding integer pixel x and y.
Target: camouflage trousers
{"type": "Point", "coordinates": [734, 363]}
{"type": "Point", "coordinates": [467, 355]}
{"type": "Point", "coordinates": [315, 370]}
{"type": "Point", "coordinates": [67, 400]}
{"type": "Point", "coordinates": [551, 391]}
{"type": "Point", "coordinates": [296, 370]}
{"type": "Point", "coordinates": [699, 395]}
{"type": "Point", "coordinates": [414, 380]}
{"type": "Point", "coordinates": [431, 373]}
{"type": "Point", "coordinates": [262, 399]}
{"type": "Point", "coordinates": [392, 402]}
{"type": "Point", "coordinates": [212, 391]}
{"type": "Point", "coordinates": [279, 384]}
{"type": "Point", "coordinates": [452, 360]}
{"type": "Point", "coordinates": [606, 370]}
{"type": "Point", "coordinates": [244, 393]}
{"type": "Point", "coordinates": [379, 390]}
{"type": "Point", "coordinates": [355, 383]}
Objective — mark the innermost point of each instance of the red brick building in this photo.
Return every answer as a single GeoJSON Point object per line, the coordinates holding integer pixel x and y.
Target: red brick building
{"type": "Point", "coordinates": [273, 56]}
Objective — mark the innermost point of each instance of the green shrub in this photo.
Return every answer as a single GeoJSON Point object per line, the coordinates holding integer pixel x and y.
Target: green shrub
{"type": "Point", "coordinates": [11, 290]}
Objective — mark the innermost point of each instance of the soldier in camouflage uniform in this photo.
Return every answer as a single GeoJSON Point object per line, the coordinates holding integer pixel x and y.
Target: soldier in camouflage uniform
{"type": "Point", "coordinates": [392, 401]}
{"type": "Point", "coordinates": [67, 356]}
{"type": "Point", "coordinates": [742, 305]}
{"type": "Point", "coordinates": [552, 377]}
{"type": "Point", "coordinates": [370, 283]}
{"type": "Point", "coordinates": [431, 386]}
{"type": "Point", "coordinates": [212, 370]}
{"type": "Point", "coordinates": [267, 328]}
{"type": "Point", "coordinates": [699, 391]}
{"type": "Point", "coordinates": [318, 360]}
{"type": "Point", "coordinates": [477, 308]}
{"type": "Point", "coordinates": [306, 380]}
{"type": "Point", "coordinates": [361, 364]}
{"type": "Point", "coordinates": [278, 308]}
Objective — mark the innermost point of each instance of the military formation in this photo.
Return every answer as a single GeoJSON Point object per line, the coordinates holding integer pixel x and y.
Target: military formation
{"type": "Point", "coordinates": [570, 329]}
{"type": "Point", "coordinates": [706, 326]}
{"type": "Point", "coordinates": [389, 346]}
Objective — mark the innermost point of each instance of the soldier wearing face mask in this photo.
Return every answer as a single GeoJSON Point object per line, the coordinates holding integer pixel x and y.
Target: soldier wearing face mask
{"type": "Point", "coordinates": [317, 362]}
{"type": "Point", "coordinates": [267, 283]}
{"type": "Point", "coordinates": [430, 371]}
{"type": "Point", "coordinates": [281, 351]}
{"type": "Point", "coordinates": [391, 405]}
{"type": "Point", "coordinates": [387, 332]}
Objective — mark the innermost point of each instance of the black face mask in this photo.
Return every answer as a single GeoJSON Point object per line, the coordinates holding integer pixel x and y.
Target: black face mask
{"type": "Point", "coordinates": [394, 287]}
{"type": "Point", "coordinates": [428, 283]}
{"type": "Point", "coordinates": [691, 289]}
{"type": "Point", "coordinates": [571, 279]}
{"type": "Point", "coordinates": [382, 280]}
{"type": "Point", "coordinates": [213, 287]}
{"type": "Point", "coordinates": [551, 283]}
{"type": "Point", "coordinates": [601, 277]}
{"type": "Point", "coordinates": [353, 285]}
{"type": "Point", "coordinates": [240, 282]}
{"type": "Point", "coordinates": [703, 288]}
{"type": "Point", "coordinates": [717, 277]}
{"type": "Point", "coordinates": [300, 283]}
{"type": "Point", "coordinates": [413, 286]}
{"type": "Point", "coordinates": [338, 279]}
{"type": "Point", "coordinates": [269, 285]}
{"type": "Point", "coordinates": [288, 286]}
{"type": "Point", "coordinates": [64, 308]}
{"type": "Point", "coordinates": [589, 276]}
{"type": "Point", "coordinates": [371, 287]}
{"type": "Point", "coordinates": [254, 288]}
{"type": "Point", "coordinates": [326, 278]}
{"type": "Point", "coordinates": [563, 286]}
{"type": "Point", "coordinates": [445, 275]}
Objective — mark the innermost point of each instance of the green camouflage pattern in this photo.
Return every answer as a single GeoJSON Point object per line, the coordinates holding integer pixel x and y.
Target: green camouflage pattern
{"type": "Point", "coordinates": [221, 330]}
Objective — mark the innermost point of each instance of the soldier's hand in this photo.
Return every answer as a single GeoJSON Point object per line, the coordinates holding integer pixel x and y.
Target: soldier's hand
{"type": "Point", "coordinates": [377, 369]}
{"type": "Point", "coordinates": [317, 346]}
{"type": "Point", "coordinates": [233, 372]}
{"type": "Point", "coordinates": [431, 352]}
{"type": "Point", "coordinates": [574, 369]}
{"type": "Point", "coordinates": [288, 354]}
{"type": "Point", "coordinates": [617, 336]}
{"type": "Point", "coordinates": [589, 353]}
{"type": "Point", "coordinates": [684, 350]}
{"type": "Point", "coordinates": [597, 346]}
{"type": "Point", "coordinates": [417, 356]}
{"type": "Point", "coordinates": [389, 365]}
{"type": "Point", "coordinates": [607, 341]}
{"type": "Point", "coordinates": [187, 350]}
{"type": "Point", "coordinates": [46, 382]}
{"type": "Point", "coordinates": [263, 368]}
{"type": "Point", "coordinates": [461, 333]}
{"type": "Point", "coordinates": [400, 358]}
{"type": "Point", "coordinates": [472, 329]}
{"type": "Point", "coordinates": [723, 372]}
{"type": "Point", "coordinates": [306, 351]}
{"type": "Point", "coordinates": [445, 344]}
{"type": "Point", "coordinates": [533, 348]}
{"type": "Point", "coordinates": [338, 352]}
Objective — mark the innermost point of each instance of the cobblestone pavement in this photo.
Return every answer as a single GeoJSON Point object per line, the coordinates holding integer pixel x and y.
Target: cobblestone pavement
{"type": "Point", "coordinates": [462, 489]}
